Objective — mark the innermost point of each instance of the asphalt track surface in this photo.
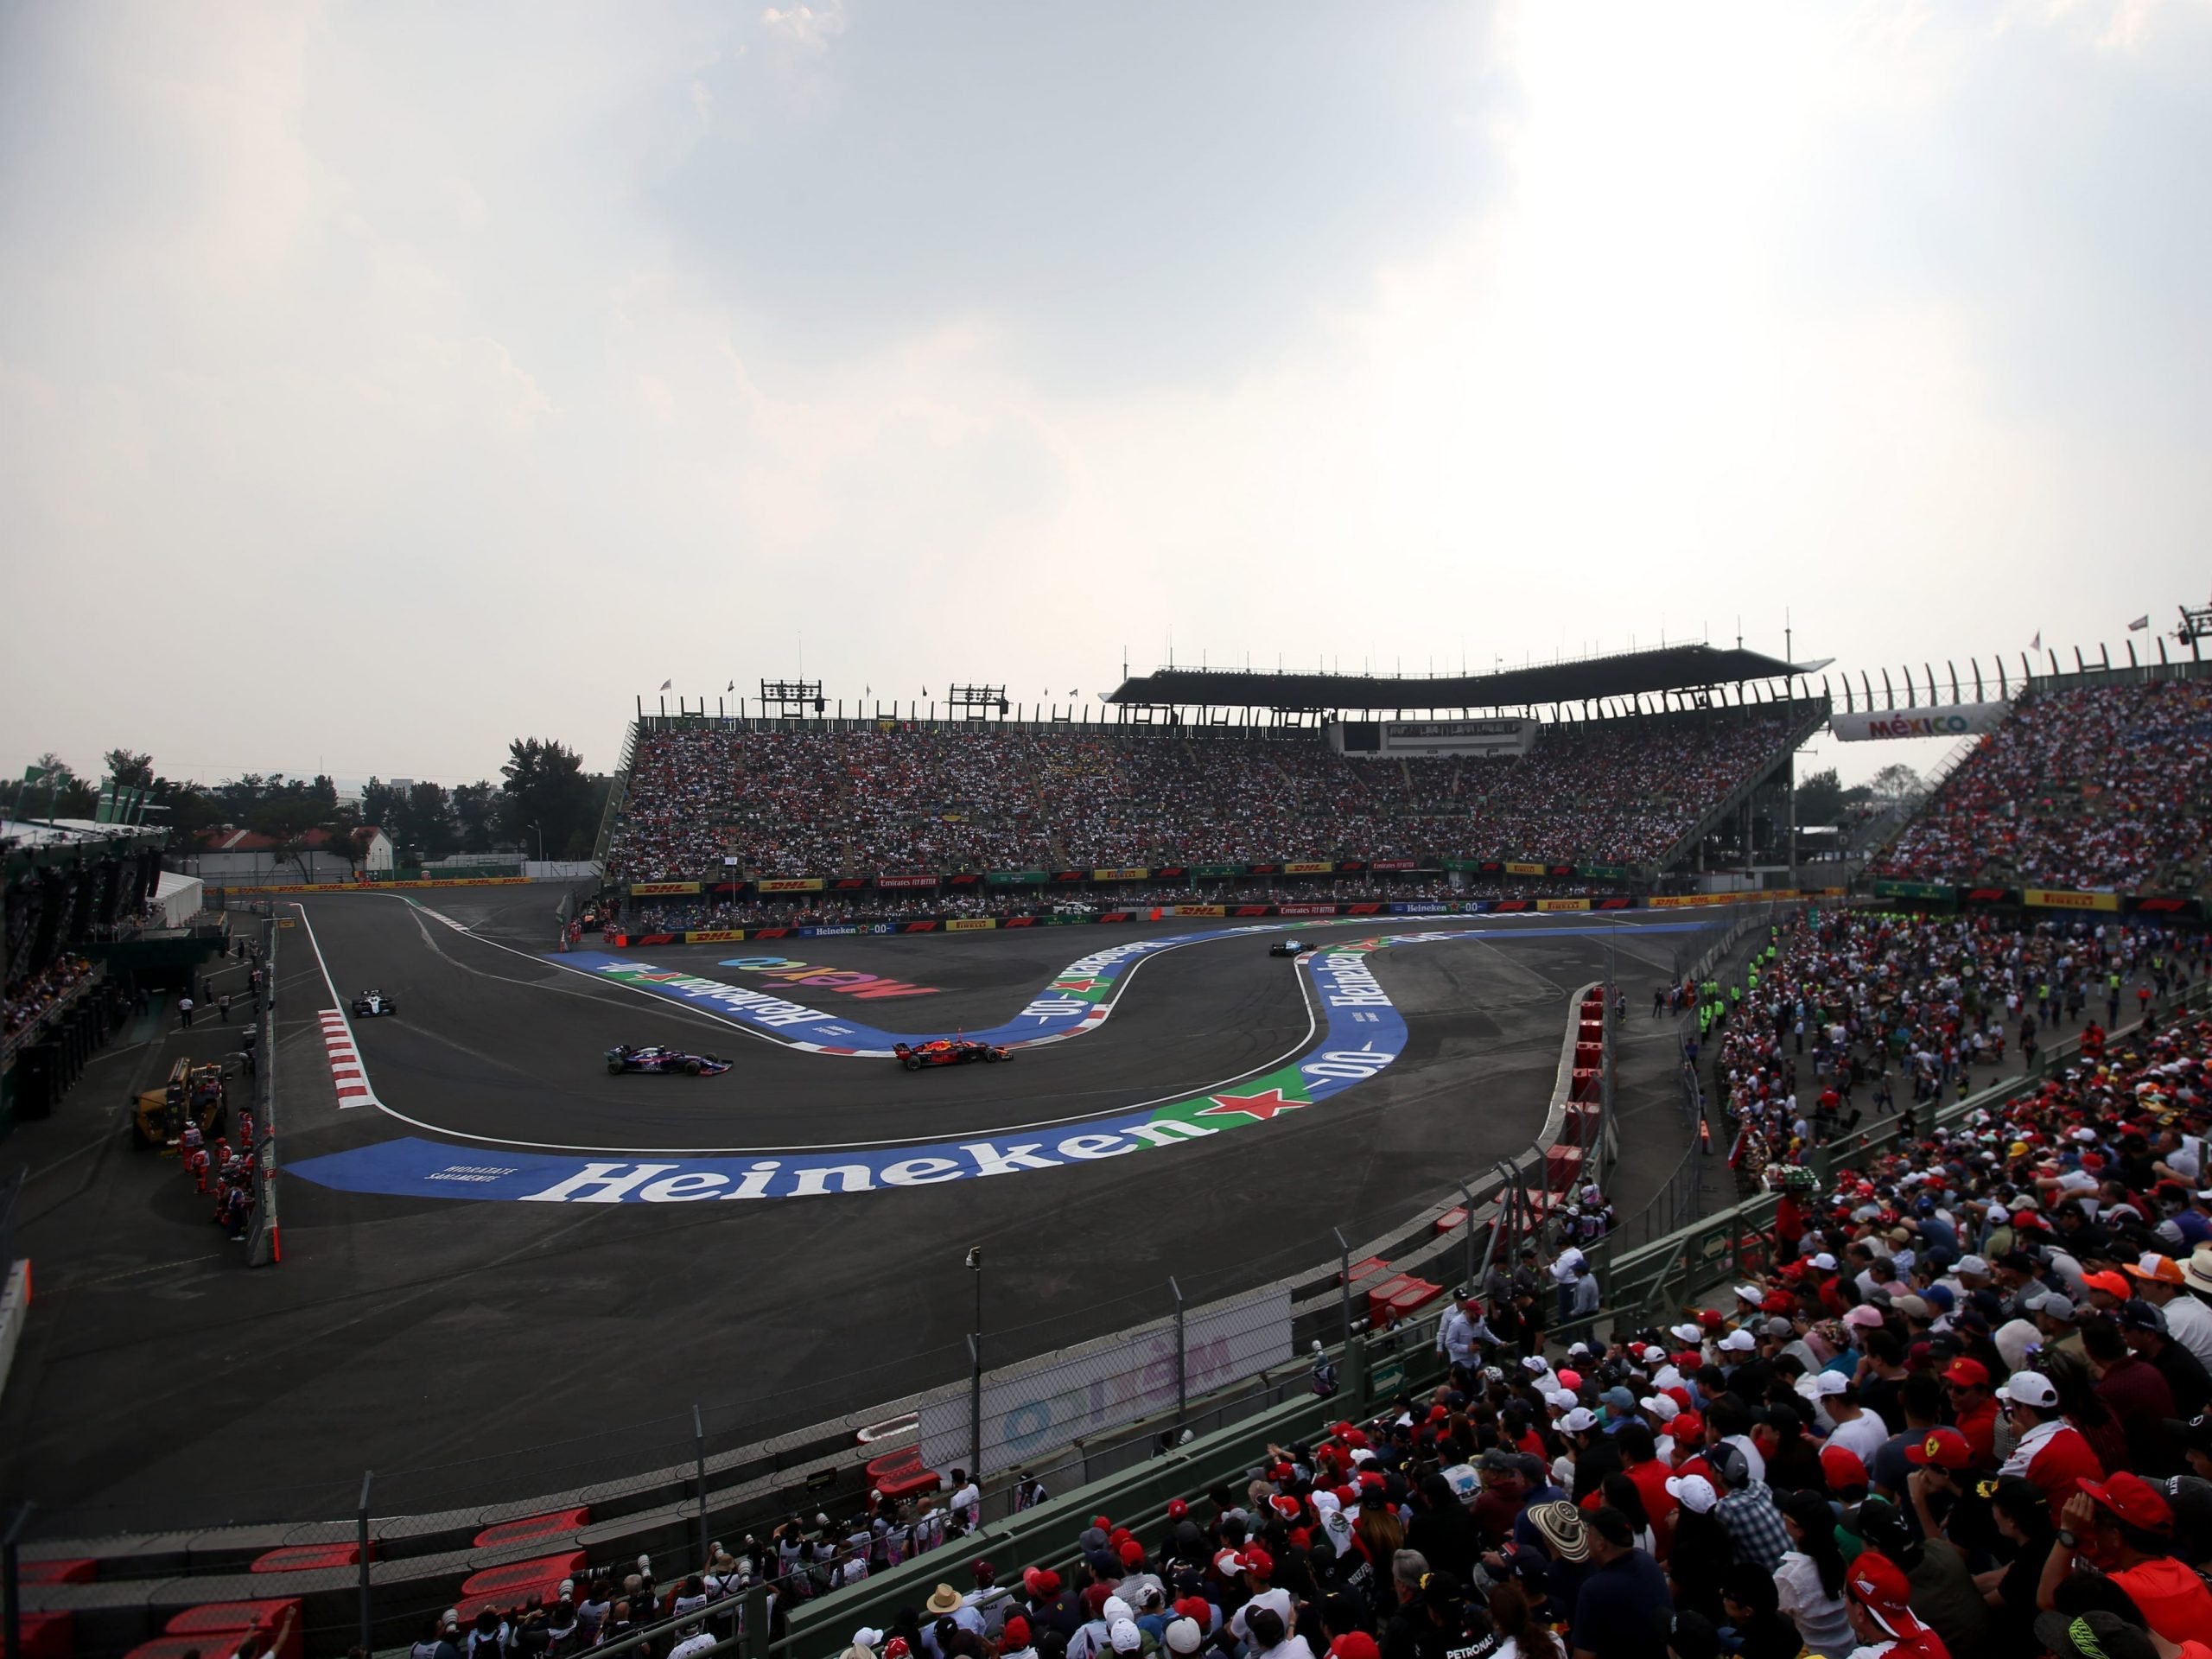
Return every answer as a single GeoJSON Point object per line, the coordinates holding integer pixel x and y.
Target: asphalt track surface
{"type": "Point", "coordinates": [480, 1351]}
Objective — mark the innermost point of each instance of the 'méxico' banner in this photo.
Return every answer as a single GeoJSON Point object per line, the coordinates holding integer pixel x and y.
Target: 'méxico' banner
{"type": "Point", "coordinates": [1959, 720]}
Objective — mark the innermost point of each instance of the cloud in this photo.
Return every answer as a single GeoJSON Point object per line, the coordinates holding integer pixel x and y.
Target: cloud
{"type": "Point", "coordinates": [512, 376]}
{"type": "Point", "coordinates": [810, 28]}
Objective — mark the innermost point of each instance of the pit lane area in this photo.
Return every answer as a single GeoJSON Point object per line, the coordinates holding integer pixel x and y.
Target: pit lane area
{"type": "Point", "coordinates": [403, 1331]}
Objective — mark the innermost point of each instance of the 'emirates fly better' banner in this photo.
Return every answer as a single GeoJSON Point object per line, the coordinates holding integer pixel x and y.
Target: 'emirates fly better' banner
{"type": "Point", "coordinates": [1959, 720]}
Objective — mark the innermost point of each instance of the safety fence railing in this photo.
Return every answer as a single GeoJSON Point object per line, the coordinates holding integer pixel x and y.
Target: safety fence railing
{"type": "Point", "coordinates": [264, 1245]}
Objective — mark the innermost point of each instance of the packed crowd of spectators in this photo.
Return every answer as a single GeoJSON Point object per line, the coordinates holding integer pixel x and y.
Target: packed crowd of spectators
{"type": "Point", "coordinates": [1960, 1412]}
{"type": "Point", "coordinates": [2109, 786]}
{"type": "Point", "coordinates": [30, 999]}
{"type": "Point", "coordinates": [1851, 1011]}
{"type": "Point", "coordinates": [660, 914]}
{"type": "Point", "coordinates": [820, 802]}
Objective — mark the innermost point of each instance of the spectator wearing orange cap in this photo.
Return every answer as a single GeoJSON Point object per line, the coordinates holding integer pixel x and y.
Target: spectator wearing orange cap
{"type": "Point", "coordinates": [2166, 1285]}
{"type": "Point", "coordinates": [2046, 1449]}
{"type": "Point", "coordinates": [2126, 1526]}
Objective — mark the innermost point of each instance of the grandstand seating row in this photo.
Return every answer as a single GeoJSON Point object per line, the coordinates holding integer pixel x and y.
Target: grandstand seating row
{"type": "Point", "coordinates": [811, 801]}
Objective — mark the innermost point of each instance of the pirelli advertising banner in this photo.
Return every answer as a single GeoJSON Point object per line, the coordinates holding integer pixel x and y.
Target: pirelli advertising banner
{"type": "Point", "coordinates": [2059, 899]}
{"type": "Point", "coordinates": [1562, 904]}
{"type": "Point", "coordinates": [970, 924]}
{"type": "Point", "coordinates": [1959, 720]}
{"type": "Point", "coordinates": [655, 889]}
{"type": "Point", "coordinates": [1513, 869]}
{"type": "Point", "coordinates": [787, 884]}
{"type": "Point", "coordinates": [1143, 874]}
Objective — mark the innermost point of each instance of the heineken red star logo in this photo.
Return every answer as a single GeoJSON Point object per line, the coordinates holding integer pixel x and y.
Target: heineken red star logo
{"type": "Point", "coordinates": [1262, 1106]}
{"type": "Point", "coordinates": [1079, 985]}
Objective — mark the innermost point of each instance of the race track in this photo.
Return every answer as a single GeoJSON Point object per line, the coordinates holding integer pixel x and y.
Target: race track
{"type": "Point", "coordinates": [417, 1323]}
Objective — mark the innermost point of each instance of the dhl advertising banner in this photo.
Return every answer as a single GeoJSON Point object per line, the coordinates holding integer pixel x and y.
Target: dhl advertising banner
{"type": "Point", "coordinates": [1959, 720]}
{"type": "Point", "coordinates": [1200, 910]}
{"type": "Point", "coordinates": [2059, 899]}
{"type": "Point", "coordinates": [789, 884]}
{"type": "Point", "coordinates": [1309, 867]}
{"type": "Point", "coordinates": [655, 889]}
{"type": "Point", "coordinates": [713, 934]}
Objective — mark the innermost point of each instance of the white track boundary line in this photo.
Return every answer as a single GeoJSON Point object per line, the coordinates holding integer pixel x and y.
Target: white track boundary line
{"type": "Point", "coordinates": [347, 1074]}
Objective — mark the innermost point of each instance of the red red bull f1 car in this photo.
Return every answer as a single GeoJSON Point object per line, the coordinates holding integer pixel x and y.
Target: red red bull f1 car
{"type": "Point", "coordinates": [949, 1050]}
{"type": "Point", "coordinates": [623, 1057]}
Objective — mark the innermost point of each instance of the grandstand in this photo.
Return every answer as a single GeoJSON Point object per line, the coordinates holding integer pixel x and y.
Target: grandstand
{"type": "Point", "coordinates": [1642, 763]}
{"type": "Point", "coordinates": [74, 891]}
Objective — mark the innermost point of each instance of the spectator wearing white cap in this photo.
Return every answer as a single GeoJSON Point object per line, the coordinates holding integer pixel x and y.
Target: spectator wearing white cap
{"type": "Point", "coordinates": [2046, 1449]}
{"type": "Point", "coordinates": [1856, 1427]}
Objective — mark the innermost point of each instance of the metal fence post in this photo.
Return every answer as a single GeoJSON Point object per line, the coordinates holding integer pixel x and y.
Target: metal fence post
{"type": "Point", "coordinates": [1182, 1363]}
{"type": "Point", "coordinates": [699, 1447]}
{"type": "Point", "coordinates": [1343, 1258]}
{"type": "Point", "coordinates": [361, 1541]}
{"type": "Point", "coordinates": [1467, 1197]}
{"type": "Point", "coordinates": [11, 1582]}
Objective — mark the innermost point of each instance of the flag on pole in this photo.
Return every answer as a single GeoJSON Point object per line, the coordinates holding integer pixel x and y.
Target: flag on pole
{"type": "Point", "coordinates": [667, 686]}
{"type": "Point", "coordinates": [2036, 644]}
{"type": "Point", "coordinates": [732, 686]}
{"type": "Point", "coordinates": [2140, 623]}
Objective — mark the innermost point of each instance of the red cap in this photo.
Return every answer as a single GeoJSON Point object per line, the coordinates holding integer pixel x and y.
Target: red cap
{"type": "Point", "coordinates": [2113, 1284]}
{"type": "Point", "coordinates": [1709, 1318]}
{"type": "Point", "coordinates": [1195, 1608]}
{"type": "Point", "coordinates": [1284, 1506]}
{"type": "Point", "coordinates": [1101, 1523]}
{"type": "Point", "coordinates": [1687, 1428]}
{"type": "Point", "coordinates": [1177, 1509]}
{"type": "Point", "coordinates": [2133, 1500]}
{"type": "Point", "coordinates": [1016, 1632]}
{"type": "Point", "coordinates": [1967, 1373]}
{"type": "Point", "coordinates": [1881, 1587]}
{"type": "Point", "coordinates": [1944, 1447]}
{"type": "Point", "coordinates": [1842, 1468]}
{"type": "Point", "coordinates": [1257, 1562]}
{"type": "Point", "coordinates": [1779, 1301]}
{"type": "Point", "coordinates": [1131, 1552]}
{"type": "Point", "coordinates": [1354, 1644]}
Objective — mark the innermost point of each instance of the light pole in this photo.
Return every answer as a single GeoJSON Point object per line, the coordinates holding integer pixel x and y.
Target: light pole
{"type": "Point", "coordinates": [975, 1371]}
{"type": "Point", "coordinates": [541, 839]}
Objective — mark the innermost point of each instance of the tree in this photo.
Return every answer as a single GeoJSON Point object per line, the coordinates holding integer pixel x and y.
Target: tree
{"type": "Point", "coordinates": [130, 769]}
{"type": "Point", "coordinates": [550, 802]}
{"type": "Point", "coordinates": [426, 821]}
{"type": "Point", "coordinates": [1894, 784]}
{"type": "Point", "coordinates": [476, 811]}
{"type": "Point", "coordinates": [382, 806]}
{"type": "Point", "coordinates": [1820, 797]}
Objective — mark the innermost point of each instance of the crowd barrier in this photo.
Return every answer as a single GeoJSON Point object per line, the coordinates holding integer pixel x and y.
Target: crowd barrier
{"type": "Point", "coordinates": [955, 924]}
{"type": "Point", "coordinates": [264, 1246]}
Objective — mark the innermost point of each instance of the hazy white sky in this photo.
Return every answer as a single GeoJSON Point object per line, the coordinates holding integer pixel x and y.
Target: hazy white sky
{"type": "Point", "coordinates": [380, 382]}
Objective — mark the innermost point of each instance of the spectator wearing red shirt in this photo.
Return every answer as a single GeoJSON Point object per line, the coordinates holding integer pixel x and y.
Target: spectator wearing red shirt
{"type": "Point", "coordinates": [2128, 1528]}
{"type": "Point", "coordinates": [1974, 1409]}
{"type": "Point", "coordinates": [1650, 1474]}
{"type": "Point", "coordinates": [2139, 1397]}
{"type": "Point", "coordinates": [2046, 1449]}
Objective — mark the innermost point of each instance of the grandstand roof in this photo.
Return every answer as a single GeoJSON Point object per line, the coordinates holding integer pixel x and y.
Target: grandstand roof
{"type": "Point", "coordinates": [1670, 668]}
